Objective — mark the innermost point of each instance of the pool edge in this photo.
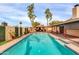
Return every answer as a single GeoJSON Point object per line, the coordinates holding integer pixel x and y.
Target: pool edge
{"type": "Point", "coordinates": [12, 43]}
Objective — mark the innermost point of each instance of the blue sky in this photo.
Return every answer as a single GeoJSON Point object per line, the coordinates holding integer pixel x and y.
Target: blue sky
{"type": "Point", "coordinates": [13, 13]}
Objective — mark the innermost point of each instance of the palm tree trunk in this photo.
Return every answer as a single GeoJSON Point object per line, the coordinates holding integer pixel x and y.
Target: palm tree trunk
{"type": "Point", "coordinates": [47, 22]}
{"type": "Point", "coordinates": [32, 23]}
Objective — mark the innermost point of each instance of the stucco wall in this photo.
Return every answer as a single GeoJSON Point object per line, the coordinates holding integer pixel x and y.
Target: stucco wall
{"type": "Point", "coordinates": [73, 32]}
{"type": "Point", "coordinates": [58, 29]}
{"type": "Point", "coordinates": [55, 29]}
{"type": "Point", "coordinates": [73, 26]}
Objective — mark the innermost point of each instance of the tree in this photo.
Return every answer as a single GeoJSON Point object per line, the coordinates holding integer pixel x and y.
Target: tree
{"type": "Point", "coordinates": [35, 24]}
{"type": "Point", "coordinates": [56, 22]}
{"type": "Point", "coordinates": [31, 14]}
{"type": "Point", "coordinates": [48, 15]}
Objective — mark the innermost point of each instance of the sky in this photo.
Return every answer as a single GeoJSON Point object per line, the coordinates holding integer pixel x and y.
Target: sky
{"type": "Point", "coordinates": [13, 13]}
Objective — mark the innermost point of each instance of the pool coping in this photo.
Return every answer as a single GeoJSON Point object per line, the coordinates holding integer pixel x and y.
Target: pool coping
{"type": "Point", "coordinates": [11, 43]}
{"type": "Point", "coordinates": [69, 44]}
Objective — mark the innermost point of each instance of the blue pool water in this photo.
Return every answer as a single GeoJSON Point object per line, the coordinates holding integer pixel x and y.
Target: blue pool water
{"type": "Point", "coordinates": [38, 44]}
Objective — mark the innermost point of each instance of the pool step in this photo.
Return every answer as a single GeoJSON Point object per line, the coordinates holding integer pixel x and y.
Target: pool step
{"type": "Point", "coordinates": [73, 47]}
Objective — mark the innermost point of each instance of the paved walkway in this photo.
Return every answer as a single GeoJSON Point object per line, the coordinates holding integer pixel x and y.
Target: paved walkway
{"type": "Point", "coordinates": [69, 38]}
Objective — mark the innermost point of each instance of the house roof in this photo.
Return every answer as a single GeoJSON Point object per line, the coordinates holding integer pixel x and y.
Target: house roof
{"type": "Point", "coordinates": [71, 20]}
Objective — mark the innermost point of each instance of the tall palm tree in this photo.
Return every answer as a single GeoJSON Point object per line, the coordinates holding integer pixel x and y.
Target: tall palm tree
{"type": "Point", "coordinates": [48, 15]}
{"type": "Point", "coordinates": [31, 14]}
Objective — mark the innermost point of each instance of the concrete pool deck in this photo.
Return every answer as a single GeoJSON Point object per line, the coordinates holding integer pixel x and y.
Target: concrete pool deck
{"type": "Point", "coordinates": [11, 43]}
{"type": "Point", "coordinates": [70, 42]}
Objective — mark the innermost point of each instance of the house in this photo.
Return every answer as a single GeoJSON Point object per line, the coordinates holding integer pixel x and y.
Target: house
{"type": "Point", "coordinates": [70, 26]}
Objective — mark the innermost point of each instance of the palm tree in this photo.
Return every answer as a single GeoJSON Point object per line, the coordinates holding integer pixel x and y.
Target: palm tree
{"type": "Point", "coordinates": [48, 15]}
{"type": "Point", "coordinates": [31, 14]}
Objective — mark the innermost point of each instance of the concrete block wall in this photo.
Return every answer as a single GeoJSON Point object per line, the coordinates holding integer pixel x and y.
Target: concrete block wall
{"type": "Point", "coordinates": [30, 29]}
{"type": "Point", "coordinates": [9, 33]}
{"type": "Point", "coordinates": [17, 31]}
{"type": "Point", "coordinates": [48, 29]}
{"type": "Point", "coordinates": [26, 30]}
{"type": "Point", "coordinates": [23, 31]}
{"type": "Point", "coordinates": [2, 33]}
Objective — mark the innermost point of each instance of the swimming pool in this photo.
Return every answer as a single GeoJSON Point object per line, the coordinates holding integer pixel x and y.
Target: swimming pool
{"type": "Point", "coordinates": [38, 44]}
